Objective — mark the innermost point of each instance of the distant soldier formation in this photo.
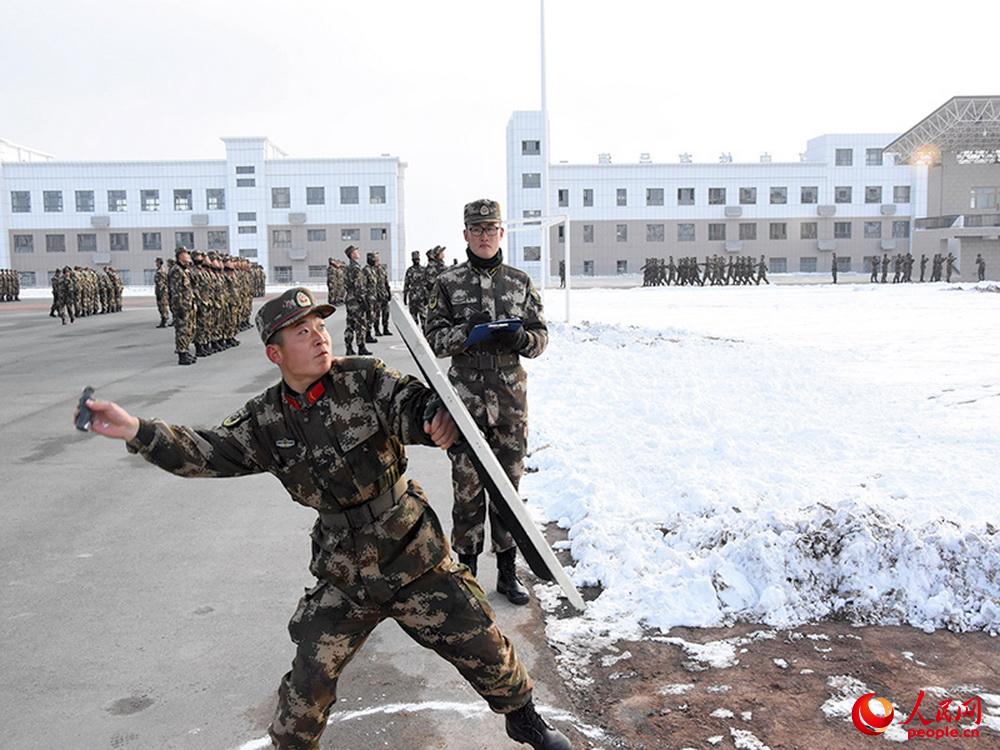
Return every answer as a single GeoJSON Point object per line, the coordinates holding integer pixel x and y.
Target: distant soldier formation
{"type": "Point", "coordinates": [717, 270]}
{"type": "Point", "coordinates": [210, 296]}
{"type": "Point", "coordinates": [10, 285]}
{"type": "Point", "coordinates": [902, 268]}
{"type": "Point", "coordinates": [78, 292]}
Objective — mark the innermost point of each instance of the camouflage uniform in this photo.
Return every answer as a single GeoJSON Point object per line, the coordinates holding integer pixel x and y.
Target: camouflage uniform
{"type": "Point", "coordinates": [65, 302]}
{"type": "Point", "coordinates": [369, 285]}
{"type": "Point", "coordinates": [415, 290]}
{"type": "Point", "coordinates": [356, 325]}
{"type": "Point", "coordinates": [378, 548]}
{"type": "Point", "coordinates": [382, 296]}
{"type": "Point", "coordinates": [182, 306]}
{"type": "Point", "coordinates": [160, 287]}
{"type": "Point", "coordinates": [490, 381]}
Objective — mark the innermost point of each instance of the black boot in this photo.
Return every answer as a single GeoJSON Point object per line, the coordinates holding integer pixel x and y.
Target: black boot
{"type": "Point", "coordinates": [349, 351]}
{"type": "Point", "coordinates": [369, 339]}
{"type": "Point", "coordinates": [185, 358]}
{"type": "Point", "coordinates": [469, 561]}
{"type": "Point", "coordinates": [199, 350]}
{"type": "Point", "coordinates": [163, 323]}
{"type": "Point", "coordinates": [363, 351]}
{"type": "Point", "coordinates": [507, 583]}
{"type": "Point", "coordinates": [525, 725]}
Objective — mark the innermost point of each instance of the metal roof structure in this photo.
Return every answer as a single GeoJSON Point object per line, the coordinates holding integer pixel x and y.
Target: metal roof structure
{"type": "Point", "coordinates": [965, 125]}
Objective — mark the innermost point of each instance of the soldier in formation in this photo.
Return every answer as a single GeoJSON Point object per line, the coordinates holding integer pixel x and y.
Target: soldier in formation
{"type": "Point", "coordinates": [377, 547]}
{"type": "Point", "coordinates": [160, 289]}
{"type": "Point", "coordinates": [980, 267]}
{"type": "Point", "coordinates": [356, 303]}
{"type": "Point", "coordinates": [10, 285]}
{"type": "Point", "coordinates": [335, 272]}
{"type": "Point", "coordinates": [64, 290]}
{"type": "Point", "coordinates": [415, 289]}
{"type": "Point", "coordinates": [81, 292]}
{"type": "Point", "coordinates": [833, 267]}
{"type": "Point", "coordinates": [902, 268]}
{"type": "Point", "coordinates": [717, 270]}
{"type": "Point", "coordinates": [382, 296]}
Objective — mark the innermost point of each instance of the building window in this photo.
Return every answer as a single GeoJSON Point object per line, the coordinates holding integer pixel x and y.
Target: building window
{"type": "Point", "coordinates": [533, 252]}
{"type": "Point", "coordinates": [901, 230]}
{"type": "Point", "coordinates": [55, 243]}
{"type": "Point", "coordinates": [685, 196]}
{"type": "Point", "coordinates": [779, 230]}
{"type": "Point", "coordinates": [184, 239]}
{"type": "Point", "coordinates": [842, 194]}
{"type": "Point", "coordinates": [656, 233]}
{"type": "Point", "coordinates": [716, 232]}
{"type": "Point", "coordinates": [531, 213]}
{"type": "Point", "coordinates": [531, 148]}
{"type": "Point", "coordinates": [588, 232]}
{"type": "Point", "coordinates": [183, 200]}
{"type": "Point", "coordinates": [378, 234]}
{"type": "Point", "coordinates": [350, 235]}
{"type": "Point", "coordinates": [873, 230]}
{"type": "Point", "coordinates": [151, 241]}
{"type": "Point", "coordinates": [866, 263]}
{"type": "Point", "coordinates": [779, 196]}
{"type": "Point", "coordinates": [24, 243]}
{"type": "Point", "coordinates": [248, 229]}
{"type": "Point", "coordinates": [807, 265]}
{"type": "Point", "coordinates": [317, 272]}
{"type": "Point", "coordinates": [119, 242]}
{"type": "Point", "coordinates": [873, 194]}
{"type": "Point", "coordinates": [316, 235]}
{"type": "Point", "coordinates": [654, 196]}
{"type": "Point", "coordinates": [26, 278]}
{"type": "Point", "coordinates": [531, 179]}
{"type": "Point", "coordinates": [246, 182]}
{"type": "Point", "coordinates": [52, 201]}
{"type": "Point", "coordinates": [844, 157]}
{"type": "Point", "coordinates": [349, 195]}
{"type": "Point", "coordinates": [283, 274]}
{"type": "Point", "coordinates": [281, 237]}
{"type": "Point", "coordinates": [561, 233]}
{"type": "Point", "coordinates": [844, 263]}
{"type": "Point", "coordinates": [621, 232]}
{"type": "Point", "coordinates": [873, 157]}
{"type": "Point", "coordinates": [808, 230]}
{"type": "Point", "coordinates": [376, 194]}
{"type": "Point", "coordinates": [218, 240]}
{"type": "Point", "coordinates": [149, 200]}
{"type": "Point", "coordinates": [315, 196]}
{"type": "Point", "coordinates": [246, 216]}
{"type": "Point", "coordinates": [716, 196]}
{"type": "Point", "coordinates": [562, 197]}
{"type": "Point", "coordinates": [748, 231]}
{"type": "Point", "coordinates": [588, 268]}
{"type": "Point", "coordinates": [842, 230]}
{"type": "Point", "coordinates": [245, 170]}
{"type": "Point", "coordinates": [748, 196]}
{"type": "Point", "coordinates": [777, 265]}
{"type": "Point", "coordinates": [149, 276]}
{"type": "Point", "coordinates": [809, 194]}
{"type": "Point", "coordinates": [588, 197]}
{"type": "Point", "coordinates": [281, 197]}
{"type": "Point", "coordinates": [20, 201]}
{"type": "Point", "coordinates": [621, 197]}
{"type": "Point", "coordinates": [685, 232]}
{"type": "Point", "coordinates": [983, 197]}
{"type": "Point", "coordinates": [117, 201]}
{"type": "Point", "coordinates": [621, 267]}
{"type": "Point", "coordinates": [215, 199]}
{"type": "Point", "coordinates": [86, 243]}
{"type": "Point", "coordinates": [85, 201]}
{"type": "Point", "coordinates": [901, 194]}
{"type": "Point", "coordinates": [248, 252]}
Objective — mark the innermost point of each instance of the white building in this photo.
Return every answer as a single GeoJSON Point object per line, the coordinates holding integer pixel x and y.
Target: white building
{"type": "Point", "coordinates": [857, 195]}
{"type": "Point", "coordinates": [288, 214]}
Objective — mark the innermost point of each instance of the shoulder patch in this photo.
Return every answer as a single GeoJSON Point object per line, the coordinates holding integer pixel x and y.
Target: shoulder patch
{"type": "Point", "coordinates": [433, 301]}
{"type": "Point", "coordinates": [234, 419]}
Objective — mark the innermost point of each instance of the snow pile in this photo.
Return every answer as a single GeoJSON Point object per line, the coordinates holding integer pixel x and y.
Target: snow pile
{"type": "Point", "coordinates": [777, 455]}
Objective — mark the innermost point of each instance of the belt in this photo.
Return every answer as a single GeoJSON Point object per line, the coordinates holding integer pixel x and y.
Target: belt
{"type": "Point", "coordinates": [485, 361]}
{"type": "Point", "coordinates": [363, 515]}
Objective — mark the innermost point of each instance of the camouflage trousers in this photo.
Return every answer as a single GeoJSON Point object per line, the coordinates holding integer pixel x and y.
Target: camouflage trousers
{"type": "Point", "coordinates": [444, 610]}
{"type": "Point", "coordinates": [356, 324]}
{"type": "Point", "coordinates": [418, 311]}
{"type": "Point", "coordinates": [183, 332]}
{"type": "Point", "coordinates": [161, 304]}
{"type": "Point", "coordinates": [383, 311]}
{"type": "Point", "coordinates": [468, 515]}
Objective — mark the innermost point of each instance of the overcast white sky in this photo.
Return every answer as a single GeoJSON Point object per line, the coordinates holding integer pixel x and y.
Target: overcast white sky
{"type": "Point", "coordinates": [434, 82]}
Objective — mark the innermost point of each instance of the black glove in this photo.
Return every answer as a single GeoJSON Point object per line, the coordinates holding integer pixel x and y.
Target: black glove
{"type": "Point", "coordinates": [476, 319]}
{"type": "Point", "coordinates": [431, 406]}
{"type": "Point", "coordinates": [512, 341]}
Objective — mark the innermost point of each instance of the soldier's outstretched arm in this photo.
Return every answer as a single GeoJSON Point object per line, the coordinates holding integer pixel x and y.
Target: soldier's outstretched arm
{"type": "Point", "coordinates": [228, 451]}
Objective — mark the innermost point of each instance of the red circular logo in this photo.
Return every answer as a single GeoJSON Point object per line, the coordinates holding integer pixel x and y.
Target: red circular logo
{"type": "Point", "coordinates": [866, 720]}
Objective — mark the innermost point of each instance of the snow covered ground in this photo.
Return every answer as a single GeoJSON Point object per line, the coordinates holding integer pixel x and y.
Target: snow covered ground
{"type": "Point", "coordinates": [772, 454]}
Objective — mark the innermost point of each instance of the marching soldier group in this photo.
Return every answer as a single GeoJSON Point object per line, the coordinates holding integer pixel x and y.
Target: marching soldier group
{"type": "Point", "coordinates": [210, 296]}
{"type": "Point", "coordinates": [80, 292]}
{"type": "Point", "coordinates": [902, 268]}
{"type": "Point", "coordinates": [715, 271]}
{"type": "Point", "coordinates": [10, 285]}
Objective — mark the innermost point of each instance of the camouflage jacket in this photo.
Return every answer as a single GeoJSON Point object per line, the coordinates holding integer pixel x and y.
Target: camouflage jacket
{"type": "Point", "coordinates": [181, 291]}
{"type": "Point", "coordinates": [414, 286]}
{"type": "Point", "coordinates": [492, 396]}
{"type": "Point", "coordinates": [382, 291]}
{"type": "Point", "coordinates": [338, 445]}
{"type": "Point", "coordinates": [369, 283]}
{"type": "Point", "coordinates": [353, 286]}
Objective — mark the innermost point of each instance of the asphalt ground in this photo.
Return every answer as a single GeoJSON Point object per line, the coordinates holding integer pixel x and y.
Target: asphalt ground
{"type": "Point", "coordinates": [142, 610]}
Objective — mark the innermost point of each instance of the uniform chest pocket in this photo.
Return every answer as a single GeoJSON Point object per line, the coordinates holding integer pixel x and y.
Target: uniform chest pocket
{"type": "Point", "coordinates": [366, 449]}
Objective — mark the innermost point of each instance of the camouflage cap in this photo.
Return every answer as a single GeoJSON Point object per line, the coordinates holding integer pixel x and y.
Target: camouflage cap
{"type": "Point", "coordinates": [415, 254]}
{"type": "Point", "coordinates": [481, 211]}
{"type": "Point", "coordinates": [287, 309]}
{"type": "Point", "coordinates": [348, 249]}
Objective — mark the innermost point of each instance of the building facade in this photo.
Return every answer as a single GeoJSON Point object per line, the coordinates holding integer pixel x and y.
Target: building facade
{"type": "Point", "coordinates": [288, 214]}
{"type": "Point", "coordinates": [849, 195]}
